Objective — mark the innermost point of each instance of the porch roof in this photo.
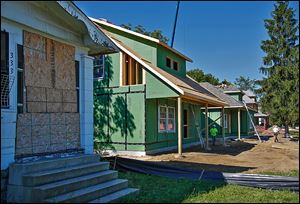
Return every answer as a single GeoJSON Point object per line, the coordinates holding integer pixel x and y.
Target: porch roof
{"type": "Point", "coordinates": [185, 86]}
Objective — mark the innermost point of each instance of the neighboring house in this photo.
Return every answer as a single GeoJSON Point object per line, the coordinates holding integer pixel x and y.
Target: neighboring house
{"type": "Point", "coordinates": [47, 102]}
{"type": "Point", "coordinates": [144, 102]}
{"type": "Point", "coordinates": [250, 99]}
{"type": "Point", "coordinates": [236, 119]}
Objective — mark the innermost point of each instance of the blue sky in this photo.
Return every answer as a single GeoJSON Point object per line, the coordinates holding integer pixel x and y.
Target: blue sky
{"type": "Point", "coordinates": [223, 38]}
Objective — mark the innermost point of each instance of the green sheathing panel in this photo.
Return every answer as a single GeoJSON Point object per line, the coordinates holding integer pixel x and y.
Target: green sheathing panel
{"type": "Point", "coordinates": [112, 69]}
{"type": "Point", "coordinates": [156, 88]}
{"type": "Point", "coordinates": [162, 53]}
{"type": "Point", "coordinates": [119, 117]}
{"type": "Point", "coordinates": [146, 48]}
{"type": "Point", "coordinates": [157, 140]}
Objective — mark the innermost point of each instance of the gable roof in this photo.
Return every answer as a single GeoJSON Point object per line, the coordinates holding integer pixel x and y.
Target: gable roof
{"type": "Point", "coordinates": [142, 36]}
{"type": "Point", "coordinates": [183, 85]}
{"type": "Point", "coordinates": [219, 93]}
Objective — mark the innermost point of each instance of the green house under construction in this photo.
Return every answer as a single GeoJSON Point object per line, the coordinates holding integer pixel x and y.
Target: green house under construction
{"type": "Point", "coordinates": [143, 101]}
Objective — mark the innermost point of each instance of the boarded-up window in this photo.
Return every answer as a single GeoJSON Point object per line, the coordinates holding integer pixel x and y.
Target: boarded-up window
{"type": "Point", "coordinates": [131, 71]}
{"type": "Point", "coordinates": [4, 70]}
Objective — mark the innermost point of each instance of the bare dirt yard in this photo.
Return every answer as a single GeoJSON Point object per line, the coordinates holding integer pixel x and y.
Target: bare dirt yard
{"type": "Point", "coordinates": [245, 156]}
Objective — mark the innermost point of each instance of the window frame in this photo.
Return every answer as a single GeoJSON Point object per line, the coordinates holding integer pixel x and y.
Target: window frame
{"type": "Point", "coordinates": [225, 120]}
{"type": "Point", "coordinates": [98, 66]}
{"type": "Point", "coordinates": [8, 105]}
{"type": "Point", "coordinates": [167, 119]}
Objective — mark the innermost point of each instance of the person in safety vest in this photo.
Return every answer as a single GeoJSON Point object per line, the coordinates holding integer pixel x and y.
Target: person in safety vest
{"type": "Point", "coordinates": [213, 133]}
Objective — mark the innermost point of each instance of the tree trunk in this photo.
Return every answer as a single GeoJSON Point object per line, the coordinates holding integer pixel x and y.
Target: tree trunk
{"type": "Point", "coordinates": [286, 132]}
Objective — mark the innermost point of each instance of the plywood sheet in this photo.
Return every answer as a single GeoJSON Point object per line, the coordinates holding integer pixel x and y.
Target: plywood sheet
{"type": "Point", "coordinates": [64, 66]}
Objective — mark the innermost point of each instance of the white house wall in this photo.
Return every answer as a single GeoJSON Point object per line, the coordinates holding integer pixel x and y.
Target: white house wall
{"type": "Point", "coordinates": [30, 18]}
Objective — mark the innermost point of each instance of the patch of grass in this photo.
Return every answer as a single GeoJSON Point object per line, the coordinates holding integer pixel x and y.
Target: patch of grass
{"type": "Point", "coordinates": [242, 194]}
{"type": "Point", "coordinates": [279, 173]}
{"type": "Point", "coordinates": [155, 189]}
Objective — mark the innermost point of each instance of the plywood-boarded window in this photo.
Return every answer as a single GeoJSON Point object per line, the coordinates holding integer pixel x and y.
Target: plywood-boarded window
{"type": "Point", "coordinates": [131, 71]}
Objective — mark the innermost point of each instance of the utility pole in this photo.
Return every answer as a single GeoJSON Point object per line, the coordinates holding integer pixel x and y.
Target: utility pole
{"type": "Point", "coordinates": [174, 28]}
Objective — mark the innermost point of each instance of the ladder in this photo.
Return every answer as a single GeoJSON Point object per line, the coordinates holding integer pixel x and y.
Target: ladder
{"type": "Point", "coordinates": [201, 140]}
{"type": "Point", "coordinates": [251, 121]}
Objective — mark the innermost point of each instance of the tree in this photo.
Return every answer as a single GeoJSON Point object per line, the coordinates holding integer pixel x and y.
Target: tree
{"type": "Point", "coordinates": [280, 86]}
{"type": "Point", "coordinates": [200, 76]}
{"type": "Point", "coordinates": [245, 83]}
{"type": "Point", "coordinates": [140, 29]}
{"type": "Point", "coordinates": [226, 82]}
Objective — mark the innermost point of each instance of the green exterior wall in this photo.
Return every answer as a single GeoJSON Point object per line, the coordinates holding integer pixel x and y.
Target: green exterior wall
{"type": "Point", "coordinates": [162, 53]}
{"type": "Point", "coordinates": [145, 48]}
{"type": "Point", "coordinates": [157, 140]}
{"type": "Point", "coordinates": [213, 114]}
{"type": "Point", "coordinates": [126, 117]}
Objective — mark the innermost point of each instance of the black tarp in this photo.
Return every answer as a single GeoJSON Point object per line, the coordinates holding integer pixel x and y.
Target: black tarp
{"type": "Point", "coordinates": [252, 180]}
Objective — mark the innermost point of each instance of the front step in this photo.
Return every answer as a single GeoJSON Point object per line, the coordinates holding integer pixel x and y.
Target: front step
{"type": "Point", "coordinates": [61, 174]}
{"type": "Point", "coordinates": [64, 186]}
{"type": "Point", "coordinates": [116, 196]}
{"type": "Point", "coordinates": [90, 193]}
{"type": "Point", "coordinates": [18, 170]}
{"type": "Point", "coordinates": [66, 180]}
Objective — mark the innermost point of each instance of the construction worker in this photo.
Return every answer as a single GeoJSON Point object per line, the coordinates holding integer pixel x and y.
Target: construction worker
{"type": "Point", "coordinates": [276, 132]}
{"type": "Point", "coordinates": [213, 133]}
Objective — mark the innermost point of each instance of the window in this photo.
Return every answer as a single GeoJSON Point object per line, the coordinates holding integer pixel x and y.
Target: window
{"type": "Point", "coordinates": [77, 82]}
{"type": "Point", "coordinates": [172, 64]}
{"type": "Point", "coordinates": [185, 123]}
{"type": "Point", "coordinates": [175, 65]}
{"type": "Point", "coordinates": [168, 62]}
{"type": "Point", "coordinates": [131, 71]}
{"type": "Point", "coordinates": [162, 118]}
{"type": "Point", "coordinates": [20, 82]}
{"type": "Point", "coordinates": [4, 70]}
{"type": "Point", "coordinates": [99, 67]}
{"type": "Point", "coordinates": [166, 119]}
{"type": "Point", "coordinates": [225, 120]}
{"type": "Point", "coordinates": [171, 119]}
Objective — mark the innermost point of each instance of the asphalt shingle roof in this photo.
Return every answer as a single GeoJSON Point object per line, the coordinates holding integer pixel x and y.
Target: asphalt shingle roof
{"type": "Point", "coordinates": [219, 93]}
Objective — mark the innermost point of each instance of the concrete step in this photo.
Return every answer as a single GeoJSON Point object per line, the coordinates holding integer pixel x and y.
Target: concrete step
{"type": "Point", "coordinates": [116, 196]}
{"type": "Point", "coordinates": [44, 177]}
{"type": "Point", "coordinates": [90, 193]}
{"type": "Point", "coordinates": [18, 170]}
{"type": "Point", "coordinates": [65, 186]}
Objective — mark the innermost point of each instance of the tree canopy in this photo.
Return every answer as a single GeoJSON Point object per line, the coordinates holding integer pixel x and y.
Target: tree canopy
{"type": "Point", "coordinates": [140, 29]}
{"type": "Point", "coordinates": [280, 86]}
{"type": "Point", "coordinates": [200, 76]}
{"type": "Point", "coordinates": [244, 83]}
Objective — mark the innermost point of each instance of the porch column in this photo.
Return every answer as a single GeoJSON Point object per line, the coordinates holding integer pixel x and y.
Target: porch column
{"type": "Point", "coordinates": [86, 104]}
{"type": "Point", "coordinates": [239, 124]}
{"type": "Point", "coordinates": [179, 126]}
{"type": "Point", "coordinates": [223, 125]}
{"type": "Point", "coordinates": [206, 125]}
